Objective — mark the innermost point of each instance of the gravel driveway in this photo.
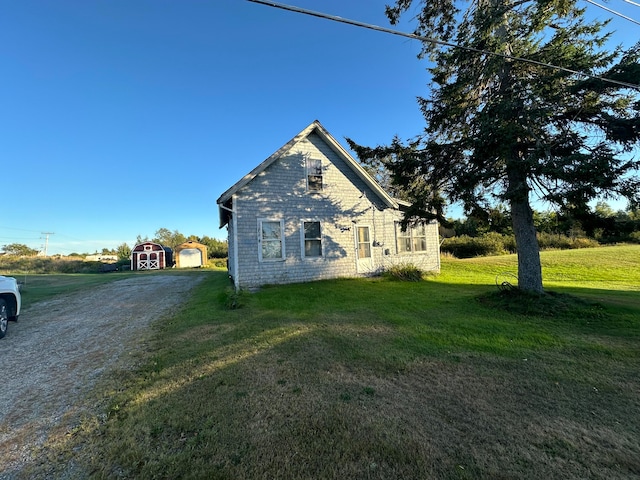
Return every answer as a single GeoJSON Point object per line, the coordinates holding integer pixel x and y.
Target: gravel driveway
{"type": "Point", "coordinates": [53, 357]}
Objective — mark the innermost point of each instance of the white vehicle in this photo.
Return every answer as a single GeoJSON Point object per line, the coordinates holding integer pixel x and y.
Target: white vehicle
{"type": "Point", "coordinates": [10, 302]}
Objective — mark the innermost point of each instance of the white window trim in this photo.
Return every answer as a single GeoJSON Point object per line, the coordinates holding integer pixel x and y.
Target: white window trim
{"type": "Point", "coordinates": [308, 173]}
{"type": "Point", "coordinates": [303, 238]}
{"type": "Point", "coordinates": [282, 242]}
{"type": "Point", "coordinates": [409, 233]}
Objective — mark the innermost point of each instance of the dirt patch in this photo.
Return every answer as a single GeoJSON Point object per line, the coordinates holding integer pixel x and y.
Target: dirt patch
{"type": "Point", "coordinates": [56, 353]}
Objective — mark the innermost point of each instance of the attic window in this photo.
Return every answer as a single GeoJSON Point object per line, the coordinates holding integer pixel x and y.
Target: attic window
{"type": "Point", "coordinates": [314, 174]}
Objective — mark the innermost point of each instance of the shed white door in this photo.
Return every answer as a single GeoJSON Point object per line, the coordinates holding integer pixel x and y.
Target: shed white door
{"type": "Point", "coordinates": [190, 257]}
{"type": "Point", "coordinates": [363, 249]}
{"type": "Point", "coordinates": [148, 261]}
{"type": "Point", "coordinates": [143, 261]}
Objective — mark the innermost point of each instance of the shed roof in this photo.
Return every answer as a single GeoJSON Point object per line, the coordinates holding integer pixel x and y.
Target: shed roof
{"type": "Point", "coordinates": [314, 127]}
{"type": "Point", "coordinates": [140, 246]}
{"type": "Point", "coordinates": [190, 244]}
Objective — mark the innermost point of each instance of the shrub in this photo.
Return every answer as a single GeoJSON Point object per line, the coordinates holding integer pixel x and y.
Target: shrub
{"type": "Point", "coordinates": [218, 263]}
{"type": "Point", "coordinates": [496, 244]}
{"type": "Point", "coordinates": [41, 265]}
{"type": "Point", "coordinates": [488, 244]}
{"type": "Point", "coordinates": [232, 299]}
{"type": "Point", "coordinates": [549, 241]}
{"type": "Point", "coordinates": [405, 272]}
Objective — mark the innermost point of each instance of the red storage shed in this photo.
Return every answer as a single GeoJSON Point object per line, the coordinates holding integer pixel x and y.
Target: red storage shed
{"type": "Point", "coordinates": [148, 256]}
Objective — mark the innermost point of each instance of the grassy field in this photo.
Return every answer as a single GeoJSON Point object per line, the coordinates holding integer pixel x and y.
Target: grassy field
{"type": "Point", "coordinates": [35, 288]}
{"type": "Point", "coordinates": [381, 379]}
{"type": "Point", "coordinates": [38, 287]}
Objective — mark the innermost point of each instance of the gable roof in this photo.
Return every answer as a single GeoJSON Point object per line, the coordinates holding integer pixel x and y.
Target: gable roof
{"type": "Point", "coordinates": [314, 127]}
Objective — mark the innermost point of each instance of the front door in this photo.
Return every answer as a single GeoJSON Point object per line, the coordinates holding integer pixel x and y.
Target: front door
{"type": "Point", "coordinates": [363, 249]}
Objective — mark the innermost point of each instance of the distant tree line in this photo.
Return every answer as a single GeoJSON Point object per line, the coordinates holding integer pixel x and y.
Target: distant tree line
{"type": "Point", "coordinates": [215, 248]}
{"type": "Point", "coordinates": [602, 223]}
{"type": "Point", "coordinates": [489, 232]}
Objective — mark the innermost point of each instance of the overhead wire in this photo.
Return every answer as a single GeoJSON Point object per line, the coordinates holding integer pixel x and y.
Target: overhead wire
{"type": "Point", "coordinates": [613, 11]}
{"type": "Point", "coordinates": [413, 36]}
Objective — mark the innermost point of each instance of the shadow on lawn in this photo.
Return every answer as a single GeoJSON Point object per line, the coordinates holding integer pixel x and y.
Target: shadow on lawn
{"type": "Point", "coordinates": [375, 379]}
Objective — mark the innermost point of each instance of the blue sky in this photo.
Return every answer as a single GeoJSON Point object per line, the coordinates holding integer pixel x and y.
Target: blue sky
{"type": "Point", "coordinates": [118, 118]}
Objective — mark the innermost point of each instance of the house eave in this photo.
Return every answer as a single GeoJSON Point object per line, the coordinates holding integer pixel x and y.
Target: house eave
{"type": "Point", "coordinates": [225, 210]}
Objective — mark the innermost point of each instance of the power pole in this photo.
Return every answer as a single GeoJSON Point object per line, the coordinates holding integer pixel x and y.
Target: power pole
{"type": "Point", "coordinates": [46, 241]}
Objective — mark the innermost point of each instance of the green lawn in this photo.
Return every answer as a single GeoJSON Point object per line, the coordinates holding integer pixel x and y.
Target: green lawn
{"type": "Point", "coordinates": [38, 287]}
{"type": "Point", "coordinates": [379, 379]}
{"type": "Point", "coordinates": [35, 288]}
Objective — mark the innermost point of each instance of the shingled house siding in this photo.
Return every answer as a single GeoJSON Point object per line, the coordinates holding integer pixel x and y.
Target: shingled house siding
{"type": "Point", "coordinates": [276, 190]}
{"type": "Point", "coordinates": [280, 193]}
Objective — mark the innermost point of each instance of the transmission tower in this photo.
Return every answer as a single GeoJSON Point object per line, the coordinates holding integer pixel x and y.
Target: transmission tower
{"type": "Point", "coordinates": [46, 241]}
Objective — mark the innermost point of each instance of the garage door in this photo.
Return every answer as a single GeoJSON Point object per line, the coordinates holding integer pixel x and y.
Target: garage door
{"type": "Point", "coordinates": [190, 257]}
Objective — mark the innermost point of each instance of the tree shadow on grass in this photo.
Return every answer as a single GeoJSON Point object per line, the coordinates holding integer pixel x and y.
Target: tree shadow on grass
{"type": "Point", "coordinates": [564, 310]}
{"type": "Point", "coordinates": [548, 305]}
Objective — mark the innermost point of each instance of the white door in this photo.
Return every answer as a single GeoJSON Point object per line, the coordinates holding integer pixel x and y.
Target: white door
{"type": "Point", "coordinates": [363, 249]}
{"type": "Point", "coordinates": [190, 258]}
{"type": "Point", "coordinates": [148, 261]}
{"type": "Point", "coordinates": [143, 261]}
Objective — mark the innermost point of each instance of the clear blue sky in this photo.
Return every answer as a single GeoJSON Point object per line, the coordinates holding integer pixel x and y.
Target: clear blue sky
{"type": "Point", "coordinates": [121, 117]}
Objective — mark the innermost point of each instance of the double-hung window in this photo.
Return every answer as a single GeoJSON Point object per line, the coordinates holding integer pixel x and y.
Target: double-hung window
{"type": "Point", "coordinates": [413, 239]}
{"type": "Point", "coordinates": [311, 239]}
{"type": "Point", "coordinates": [314, 174]}
{"type": "Point", "coordinates": [271, 236]}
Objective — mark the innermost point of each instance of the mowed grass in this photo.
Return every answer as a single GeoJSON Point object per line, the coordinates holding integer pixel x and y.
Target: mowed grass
{"type": "Point", "coordinates": [381, 379]}
{"type": "Point", "coordinates": [37, 287]}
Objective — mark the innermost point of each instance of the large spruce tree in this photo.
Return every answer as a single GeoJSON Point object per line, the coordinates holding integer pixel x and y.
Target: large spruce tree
{"type": "Point", "coordinates": [499, 129]}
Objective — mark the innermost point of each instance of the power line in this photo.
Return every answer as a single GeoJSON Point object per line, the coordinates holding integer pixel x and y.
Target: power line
{"type": "Point", "coordinates": [633, 3]}
{"type": "Point", "coordinates": [21, 229]}
{"type": "Point", "coordinates": [613, 11]}
{"type": "Point", "coordinates": [437, 42]}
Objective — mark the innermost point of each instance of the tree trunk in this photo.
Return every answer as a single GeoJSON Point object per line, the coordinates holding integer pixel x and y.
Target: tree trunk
{"type": "Point", "coordinates": [529, 267]}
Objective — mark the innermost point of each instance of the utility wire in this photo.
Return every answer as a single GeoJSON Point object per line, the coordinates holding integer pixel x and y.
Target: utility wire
{"type": "Point", "coordinates": [21, 229]}
{"type": "Point", "coordinates": [613, 11]}
{"type": "Point", "coordinates": [633, 3]}
{"type": "Point", "coordinates": [437, 42]}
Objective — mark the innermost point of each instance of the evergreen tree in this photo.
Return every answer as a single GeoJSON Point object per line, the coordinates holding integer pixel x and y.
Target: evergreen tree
{"type": "Point", "coordinates": [502, 130]}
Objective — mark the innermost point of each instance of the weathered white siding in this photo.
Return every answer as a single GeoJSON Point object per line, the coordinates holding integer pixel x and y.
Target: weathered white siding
{"type": "Point", "coordinates": [279, 192]}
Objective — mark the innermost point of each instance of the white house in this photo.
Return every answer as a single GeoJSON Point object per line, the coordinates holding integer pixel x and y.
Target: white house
{"type": "Point", "coordinates": [311, 212]}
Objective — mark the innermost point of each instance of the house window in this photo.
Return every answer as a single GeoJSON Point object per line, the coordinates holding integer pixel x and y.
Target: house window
{"type": "Point", "coordinates": [314, 174]}
{"type": "Point", "coordinates": [271, 240]}
{"type": "Point", "coordinates": [412, 240]}
{"type": "Point", "coordinates": [312, 239]}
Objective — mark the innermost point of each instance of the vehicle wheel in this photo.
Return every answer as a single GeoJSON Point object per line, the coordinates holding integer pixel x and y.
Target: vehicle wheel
{"type": "Point", "coordinates": [4, 318]}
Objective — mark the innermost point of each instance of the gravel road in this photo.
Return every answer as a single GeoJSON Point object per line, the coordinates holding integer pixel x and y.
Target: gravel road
{"type": "Point", "coordinates": [56, 353]}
